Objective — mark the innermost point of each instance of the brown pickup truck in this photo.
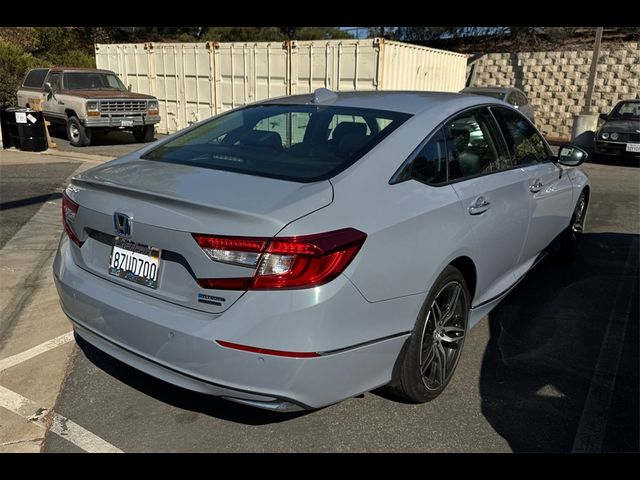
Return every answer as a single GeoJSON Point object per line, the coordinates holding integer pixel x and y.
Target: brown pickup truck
{"type": "Point", "coordinates": [89, 99]}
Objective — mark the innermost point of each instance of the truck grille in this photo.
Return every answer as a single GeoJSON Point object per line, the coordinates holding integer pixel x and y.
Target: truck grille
{"type": "Point", "coordinates": [115, 106]}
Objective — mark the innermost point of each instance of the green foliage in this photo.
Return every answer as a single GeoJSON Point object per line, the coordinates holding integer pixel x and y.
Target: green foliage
{"type": "Point", "coordinates": [243, 34]}
{"type": "Point", "coordinates": [271, 34]}
{"type": "Point", "coordinates": [14, 63]}
{"type": "Point", "coordinates": [24, 37]}
{"type": "Point", "coordinates": [320, 33]}
{"type": "Point", "coordinates": [74, 58]}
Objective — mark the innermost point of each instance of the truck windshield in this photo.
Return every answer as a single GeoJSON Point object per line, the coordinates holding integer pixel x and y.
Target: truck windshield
{"type": "Point", "coordinates": [92, 81]}
{"type": "Point", "coordinates": [302, 143]}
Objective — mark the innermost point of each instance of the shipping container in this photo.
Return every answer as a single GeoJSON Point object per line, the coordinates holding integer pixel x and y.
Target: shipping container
{"type": "Point", "coordinates": [193, 81]}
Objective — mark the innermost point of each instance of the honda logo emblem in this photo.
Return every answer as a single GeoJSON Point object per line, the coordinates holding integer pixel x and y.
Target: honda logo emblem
{"type": "Point", "coordinates": [122, 223]}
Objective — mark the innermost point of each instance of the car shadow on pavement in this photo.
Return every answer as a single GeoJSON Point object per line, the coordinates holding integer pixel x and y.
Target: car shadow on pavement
{"type": "Point", "coordinates": [30, 201]}
{"type": "Point", "coordinates": [545, 339]}
{"type": "Point", "coordinates": [180, 397]}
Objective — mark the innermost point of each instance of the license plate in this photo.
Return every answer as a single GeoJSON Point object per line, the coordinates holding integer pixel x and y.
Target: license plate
{"type": "Point", "coordinates": [126, 123]}
{"type": "Point", "coordinates": [135, 262]}
{"type": "Point", "coordinates": [633, 147]}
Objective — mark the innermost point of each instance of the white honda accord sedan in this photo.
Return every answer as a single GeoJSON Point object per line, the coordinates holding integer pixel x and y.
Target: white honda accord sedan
{"type": "Point", "coordinates": [295, 252]}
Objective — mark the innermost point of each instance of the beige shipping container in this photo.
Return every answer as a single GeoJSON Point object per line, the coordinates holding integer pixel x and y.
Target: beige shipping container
{"type": "Point", "coordinates": [193, 81]}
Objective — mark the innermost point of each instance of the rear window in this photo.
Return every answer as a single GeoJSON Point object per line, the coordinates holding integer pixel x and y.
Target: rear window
{"type": "Point", "coordinates": [35, 78]}
{"type": "Point", "coordinates": [302, 143]}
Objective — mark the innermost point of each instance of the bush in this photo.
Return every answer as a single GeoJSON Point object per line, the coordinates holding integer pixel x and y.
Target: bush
{"type": "Point", "coordinates": [73, 58]}
{"type": "Point", "coordinates": [14, 64]}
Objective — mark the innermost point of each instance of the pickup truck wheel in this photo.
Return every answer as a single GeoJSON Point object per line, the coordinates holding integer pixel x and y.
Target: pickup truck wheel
{"type": "Point", "coordinates": [79, 136]}
{"type": "Point", "coordinates": [144, 134]}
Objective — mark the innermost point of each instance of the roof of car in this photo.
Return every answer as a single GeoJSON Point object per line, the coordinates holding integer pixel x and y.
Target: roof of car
{"type": "Point", "coordinates": [490, 89]}
{"type": "Point", "coordinates": [412, 102]}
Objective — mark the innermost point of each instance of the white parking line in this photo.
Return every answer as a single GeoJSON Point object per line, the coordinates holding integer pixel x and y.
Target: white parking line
{"type": "Point", "coordinates": [18, 358]}
{"type": "Point", "coordinates": [593, 422]}
{"type": "Point", "coordinates": [67, 429]}
{"type": "Point", "coordinates": [81, 437]}
{"type": "Point", "coordinates": [16, 403]}
{"type": "Point", "coordinates": [70, 431]}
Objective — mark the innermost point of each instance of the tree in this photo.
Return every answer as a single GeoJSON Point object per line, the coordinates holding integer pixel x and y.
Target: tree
{"type": "Point", "coordinates": [14, 63]}
{"type": "Point", "coordinates": [390, 33]}
{"type": "Point", "coordinates": [320, 33]}
{"type": "Point", "coordinates": [243, 34]}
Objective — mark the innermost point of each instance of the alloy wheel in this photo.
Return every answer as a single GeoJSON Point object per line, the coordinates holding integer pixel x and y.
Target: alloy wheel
{"type": "Point", "coordinates": [443, 336]}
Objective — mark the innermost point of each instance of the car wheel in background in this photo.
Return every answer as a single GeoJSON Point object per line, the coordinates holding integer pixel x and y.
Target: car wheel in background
{"type": "Point", "coordinates": [144, 134]}
{"type": "Point", "coordinates": [78, 135]}
{"type": "Point", "coordinates": [429, 360]}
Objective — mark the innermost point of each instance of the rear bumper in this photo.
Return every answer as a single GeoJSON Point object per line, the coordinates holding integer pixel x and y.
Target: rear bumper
{"type": "Point", "coordinates": [177, 345]}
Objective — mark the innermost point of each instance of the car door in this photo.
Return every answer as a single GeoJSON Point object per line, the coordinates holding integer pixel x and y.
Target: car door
{"type": "Point", "coordinates": [494, 198]}
{"type": "Point", "coordinates": [51, 104]}
{"type": "Point", "coordinates": [550, 188]}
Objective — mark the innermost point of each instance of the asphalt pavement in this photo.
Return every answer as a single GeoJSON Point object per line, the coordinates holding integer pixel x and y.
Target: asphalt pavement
{"type": "Point", "coordinates": [532, 376]}
{"type": "Point", "coordinates": [24, 188]}
{"type": "Point", "coordinates": [111, 144]}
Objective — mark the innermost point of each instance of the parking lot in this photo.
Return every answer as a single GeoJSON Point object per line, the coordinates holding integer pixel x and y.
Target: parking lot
{"type": "Point", "coordinates": [111, 144]}
{"type": "Point", "coordinates": [553, 368]}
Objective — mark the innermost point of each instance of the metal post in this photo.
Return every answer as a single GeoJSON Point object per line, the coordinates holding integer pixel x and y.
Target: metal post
{"type": "Point", "coordinates": [592, 73]}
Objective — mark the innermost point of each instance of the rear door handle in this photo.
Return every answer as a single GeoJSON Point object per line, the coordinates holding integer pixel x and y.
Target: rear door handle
{"type": "Point", "coordinates": [479, 205]}
{"type": "Point", "coordinates": [536, 186]}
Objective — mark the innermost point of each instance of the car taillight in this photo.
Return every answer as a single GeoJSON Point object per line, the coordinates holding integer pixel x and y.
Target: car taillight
{"type": "Point", "coordinates": [280, 263]}
{"type": "Point", "coordinates": [69, 212]}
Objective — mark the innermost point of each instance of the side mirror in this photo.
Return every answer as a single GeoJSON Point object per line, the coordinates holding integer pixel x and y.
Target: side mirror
{"type": "Point", "coordinates": [571, 156]}
{"type": "Point", "coordinates": [604, 116]}
{"type": "Point", "coordinates": [47, 87]}
{"type": "Point", "coordinates": [129, 87]}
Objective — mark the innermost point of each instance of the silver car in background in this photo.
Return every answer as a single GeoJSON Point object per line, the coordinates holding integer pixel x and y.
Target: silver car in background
{"type": "Point", "coordinates": [512, 95]}
{"type": "Point", "coordinates": [299, 251]}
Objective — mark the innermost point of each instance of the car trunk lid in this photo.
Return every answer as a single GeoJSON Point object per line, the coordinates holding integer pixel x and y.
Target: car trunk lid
{"type": "Point", "coordinates": [165, 203]}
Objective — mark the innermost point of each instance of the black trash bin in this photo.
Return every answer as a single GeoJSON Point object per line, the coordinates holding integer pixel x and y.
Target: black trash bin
{"type": "Point", "coordinates": [23, 129]}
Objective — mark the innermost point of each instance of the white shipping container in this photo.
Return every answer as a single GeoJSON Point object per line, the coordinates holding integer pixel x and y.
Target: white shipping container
{"type": "Point", "coordinates": [193, 81]}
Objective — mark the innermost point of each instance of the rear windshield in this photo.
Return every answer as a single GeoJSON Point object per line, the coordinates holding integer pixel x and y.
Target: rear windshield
{"type": "Point", "coordinates": [302, 143]}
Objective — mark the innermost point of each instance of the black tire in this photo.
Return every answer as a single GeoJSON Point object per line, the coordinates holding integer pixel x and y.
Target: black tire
{"type": "Point", "coordinates": [144, 134]}
{"type": "Point", "coordinates": [78, 135]}
{"type": "Point", "coordinates": [418, 379]}
{"type": "Point", "coordinates": [571, 237]}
